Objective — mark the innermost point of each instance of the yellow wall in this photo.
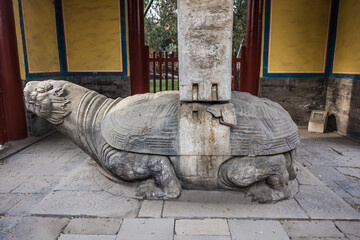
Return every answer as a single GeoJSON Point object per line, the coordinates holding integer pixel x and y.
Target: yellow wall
{"type": "Point", "coordinates": [347, 47]}
{"type": "Point", "coordinates": [93, 35]}
{"type": "Point", "coordinates": [19, 39]}
{"type": "Point", "coordinates": [40, 36]}
{"type": "Point", "coordinates": [298, 36]}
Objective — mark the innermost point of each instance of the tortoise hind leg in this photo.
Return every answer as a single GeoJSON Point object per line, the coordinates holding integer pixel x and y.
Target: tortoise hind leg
{"type": "Point", "coordinates": [133, 167]}
{"type": "Point", "coordinates": [271, 171]}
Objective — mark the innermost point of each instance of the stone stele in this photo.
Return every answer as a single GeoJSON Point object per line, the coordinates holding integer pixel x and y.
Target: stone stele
{"type": "Point", "coordinates": [246, 144]}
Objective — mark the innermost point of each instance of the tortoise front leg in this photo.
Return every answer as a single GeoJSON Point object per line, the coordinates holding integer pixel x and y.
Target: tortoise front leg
{"type": "Point", "coordinates": [132, 167]}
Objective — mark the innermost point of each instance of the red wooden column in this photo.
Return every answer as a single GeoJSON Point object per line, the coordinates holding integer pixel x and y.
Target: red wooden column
{"type": "Point", "coordinates": [253, 46]}
{"type": "Point", "coordinates": [137, 47]}
{"type": "Point", "coordinates": [12, 97]}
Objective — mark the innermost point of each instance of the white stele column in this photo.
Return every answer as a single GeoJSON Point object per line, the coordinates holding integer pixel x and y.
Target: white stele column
{"type": "Point", "coordinates": [205, 47]}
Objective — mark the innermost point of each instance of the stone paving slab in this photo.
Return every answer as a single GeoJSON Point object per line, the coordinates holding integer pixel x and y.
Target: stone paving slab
{"type": "Point", "coordinates": [257, 230]}
{"type": "Point", "coordinates": [146, 229]}
{"type": "Point", "coordinates": [284, 209]}
{"type": "Point", "coordinates": [202, 227]}
{"type": "Point", "coordinates": [309, 229]}
{"type": "Point", "coordinates": [8, 201]}
{"type": "Point", "coordinates": [203, 196]}
{"type": "Point", "coordinates": [7, 223]}
{"type": "Point", "coordinates": [151, 209]}
{"type": "Point", "coordinates": [85, 237]}
{"type": "Point", "coordinates": [93, 226]}
{"type": "Point", "coordinates": [38, 184]}
{"type": "Point", "coordinates": [86, 203]}
{"type": "Point", "coordinates": [38, 228]}
{"type": "Point", "coordinates": [305, 177]}
{"type": "Point", "coordinates": [205, 237]}
{"type": "Point", "coordinates": [87, 177]}
{"type": "Point", "coordinates": [25, 205]}
{"type": "Point", "coordinates": [350, 229]}
{"type": "Point", "coordinates": [320, 202]}
{"type": "Point", "coordinates": [353, 172]}
{"type": "Point", "coordinates": [7, 184]}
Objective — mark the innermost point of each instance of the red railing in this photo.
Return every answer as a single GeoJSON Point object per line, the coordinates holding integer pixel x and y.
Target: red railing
{"type": "Point", "coordinates": [163, 70]}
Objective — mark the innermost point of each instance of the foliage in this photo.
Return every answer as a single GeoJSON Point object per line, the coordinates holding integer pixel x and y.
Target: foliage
{"type": "Point", "coordinates": [161, 25]}
{"type": "Point", "coordinates": [239, 24]}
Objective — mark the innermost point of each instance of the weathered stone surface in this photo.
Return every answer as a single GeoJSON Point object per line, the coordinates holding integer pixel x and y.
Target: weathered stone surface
{"type": "Point", "coordinates": [87, 177]}
{"type": "Point", "coordinates": [7, 223]}
{"type": "Point", "coordinates": [151, 209]}
{"type": "Point", "coordinates": [249, 229]}
{"type": "Point", "coordinates": [38, 228]}
{"type": "Point", "coordinates": [11, 183]}
{"type": "Point", "coordinates": [8, 201]}
{"type": "Point", "coordinates": [134, 138]}
{"type": "Point", "coordinates": [93, 226]}
{"type": "Point", "coordinates": [320, 202]}
{"type": "Point", "coordinates": [353, 172]}
{"type": "Point", "coordinates": [284, 209]}
{"type": "Point", "coordinates": [86, 203]}
{"type": "Point", "coordinates": [202, 227]}
{"type": "Point", "coordinates": [205, 237]}
{"type": "Point", "coordinates": [38, 184]}
{"type": "Point", "coordinates": [146, 229]}
{"type": "Point", "coordinates": [350, 229]}
{"type": "Point", "coordinates": [205, 45]}
{"type": "Point", "coordinates": [305, 177]}
{"type": "Point", "coordinates": [311, 229]}
{"type": "Point", "coordinates": [85, 237]}
{"type": "Point", "coordinates": [26, 204]}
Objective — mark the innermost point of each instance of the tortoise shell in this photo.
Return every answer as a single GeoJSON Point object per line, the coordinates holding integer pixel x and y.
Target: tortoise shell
{"type": "Point", "coordinates": [148, 123]}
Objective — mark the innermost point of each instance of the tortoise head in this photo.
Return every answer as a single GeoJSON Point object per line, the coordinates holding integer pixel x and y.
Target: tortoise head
{"type": "Point", "coordinates": [47, 100]}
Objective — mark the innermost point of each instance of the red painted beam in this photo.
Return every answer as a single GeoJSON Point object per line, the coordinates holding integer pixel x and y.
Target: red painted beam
{"type": "Point", "coordinates": [137, 47]}
{"type": "Point", "coordinates": [253, 46]}
{"type": "Point", "coordinates": [12, 97]}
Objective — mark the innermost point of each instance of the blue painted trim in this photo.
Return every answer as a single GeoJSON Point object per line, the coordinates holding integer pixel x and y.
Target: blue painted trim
{"type": "Point", "coordinates": [332, 36]}
{"type": "Point", "coordinates": [60, 35]}
{"type": "Point", "coordinates": [62, 50]}
{"type": "Point", "coordinates": [345, 76]}
{"type": "Point", "coordinates": [266, 37]}
{"type": "Point", "coordinates": [23, 39]}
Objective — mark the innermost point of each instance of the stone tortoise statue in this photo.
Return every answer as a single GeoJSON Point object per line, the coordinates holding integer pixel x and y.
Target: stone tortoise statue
{"type": "Point", "coordinates": [135, 138]}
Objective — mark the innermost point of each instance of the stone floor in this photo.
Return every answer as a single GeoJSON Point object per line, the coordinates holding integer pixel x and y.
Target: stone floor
{"type": "Point", "coordinates": [52, 190]}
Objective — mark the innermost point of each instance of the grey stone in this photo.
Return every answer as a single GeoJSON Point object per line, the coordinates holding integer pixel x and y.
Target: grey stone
{"type": "Point", "coordinates": [38, 184]}
{"type": "Point", "coordinates": [350, 229]}
{"type": "Point", "coordinates": [311, 229]}
{"type": "Point", "coordinates": [221, 197]}
{"type": "Point", "coordinates": [264, 230]}
{"type": "Point", "coordinates": [202, 227]}
{"type": "Point", "coordinates": [14, 170]}
{"type": "Point", "coordinates": [353, 172]}
{"type": "Point", "coordinates": [205, 237]}
{"type": "Point", "coordinates": [8, 201]}
{"type": "Point", "coordinates": [205, 45]}
{"type": "Point", "coordinates": [305, 177]}
{"type": "Point", "coordinates": [320, 202]}
{"type": "Point", "coordinates": [11, 183]}
{"type": "Point", "coordinates": [88, 177]}
{"type": "Point", "coordinates": [93, 226]}
{"type": "Point", "coordinates": [151, 209]}
{"type": "Point", "coordinates": [254, 130]}
{"type": "Point", "coordinates": [146, 229]}
{"type": "Point", "coordinates": [38, 228]}
{"type": "Point", "coordinates": [7, 223]}
{"type": "Point", "coordinates": [85, 237]}
{"type": "Point", "coordinates": [284, 209]}
{"type": "Point", "coordinates": [351, 186]}
{"type": "Point", "coordinates": [26, 204]}
{"type": "Point", "coordinates": [86, 203]}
